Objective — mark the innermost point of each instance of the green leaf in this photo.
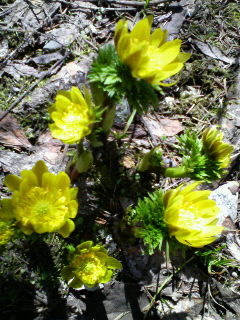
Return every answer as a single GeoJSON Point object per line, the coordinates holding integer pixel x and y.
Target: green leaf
{"type": "Point", "coordinates": [67, 273]}
{"type": "Point", "coordinates": [113, 263]}
{"type": "Point", "coordinates": [75, 283]}
{"type": "Point", "coordinates": [201, 166]}
{"type": "Point", "coordinates": [147, 218]}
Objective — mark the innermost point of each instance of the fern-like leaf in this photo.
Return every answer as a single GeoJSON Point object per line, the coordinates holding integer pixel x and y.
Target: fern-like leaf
{"type": "Point", "coordinates": [147, 220]}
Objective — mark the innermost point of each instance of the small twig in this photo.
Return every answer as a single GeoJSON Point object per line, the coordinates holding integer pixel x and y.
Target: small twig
{"type": "Point", "coordinates": [31, 6]}
{"type": "Point", "coordinates": [90, 44]}
{"type": "Point", "coordinates": [47, 73]}
{"type": "Point", "coordinates": [210, 293]}
{"type": "Point", "coordinates": [120, 316]}
{"type": "Point", "coordinates": [79, 6]}
{"type": "Point", "coordinates": [47, 36]}
{"type": "Point", "coordinates": [168, 279]}
{"type": "Point", "coordinates": [120, 2]}
{"type": "Point", "coordinates": [136, 3]}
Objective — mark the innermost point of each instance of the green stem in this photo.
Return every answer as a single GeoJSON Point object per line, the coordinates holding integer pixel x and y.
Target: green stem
{"type": "Point", "coordinates": [175, 172]}
{"type": "Point", "coordinates": [79, 148]}
{"type": "Point", "coordinates": [108, 119]}
{"type": "Point", "coordinates": [165, 282]}
{"type": "Point", "coordinates": [130, 120]}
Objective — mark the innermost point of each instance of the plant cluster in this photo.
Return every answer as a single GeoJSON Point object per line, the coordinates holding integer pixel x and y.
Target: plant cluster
{"type": "Point", "coordinates": [42, 202]}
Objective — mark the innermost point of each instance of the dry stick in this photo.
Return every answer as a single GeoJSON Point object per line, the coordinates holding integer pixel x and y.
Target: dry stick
{"type": "Point", "coordinates": [149, 307]}
{"type": "Point", "coordinates": [79, 6]}
{"type": "Point", "coordinates": [136, 3]}
{"type": "Point", "coordinates": [121, 2]}
{"type": "Point", "coordinates": [34, 85]}
{"type": "Point", "coordinates": [47, 36]}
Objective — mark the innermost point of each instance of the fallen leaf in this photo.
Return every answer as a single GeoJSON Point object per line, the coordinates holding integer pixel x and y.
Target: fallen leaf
{"type": "Point", "coordinates": [213, 52]}
{"type": "Point", "coordinates": [18, 70]}
{"type": "Point", "coordinates": [163, 127]}
{"type": "Point", "coordinates": [46, 58]}
{"type": "Point", "coordinates": [49, 147]}
{"type": "Point", "coordinates": [11, 135]}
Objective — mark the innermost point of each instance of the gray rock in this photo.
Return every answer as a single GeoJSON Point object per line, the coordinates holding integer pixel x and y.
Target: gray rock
{"type": "Point", "coordinates": [48, 149]}
{"type": "Point", "coordinates": [233, 245]}
{"type": "Point", "coordinates": [30, 15]}
{"type": "Point", "coordinates": [72, 74]}
{"type": "Point", "coordinates": [230, 121]}
{"type": "Point", "coordinates": [18, 70]}
{"type": "Point", "coordinates": [122, 114]}
{"type": "Point", "coordinates": [3, 48]}
{"type": "Point", "coordinates": [179, 9]}
{"type": "Point", "coordinates": [124, 301]}
{"type": "Point", "coordinates": [46, 58]}
{"type": "Point", "coordinates": [62, 37]}
{"type": "Point", "coordinates": [226, 197]}
{"type": "Point", "coordinates": [52, 45]}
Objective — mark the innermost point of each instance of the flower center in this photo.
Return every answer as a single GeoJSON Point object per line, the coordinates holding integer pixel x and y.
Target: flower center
{"type": "Point", "coordinates": [41, 208]}
{"type": "Point", "coordinates": [190, 218]}
{"type": "Point", "coordinates": [73, 114]}
{"type": "Point", "coordinates": [90, 268]}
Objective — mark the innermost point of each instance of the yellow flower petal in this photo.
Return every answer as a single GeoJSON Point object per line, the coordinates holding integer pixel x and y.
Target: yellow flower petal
{"type": "Point", "coordinates": [90, 265]}
{"type": "Point", "coordinates": [67, 229]}
{"type": "Point", "coordinates": [72, 115]}
{"type": "Point", "coordinates": [113, 263]}
{"type": "Point", "coordinates": [6, 209]}
{"type": "Point", "coordinates": [148, 55]}
{"type": "Point", "coordinates": [62, 181]}
{"type": "Point", "coordinates": [142, 29]}
{"type": "Point", "coordinates": [49, 181]}
{"type": "Point", "coordinates": [12, 182]}
{"type": "Point", "coordinates": [158, 37]}
{"type": "Point", "coordinates": [73, 208]}
{"type": "Point", "coordinates": [44, 202]}
{"type": "Point", "coordinates": [29, 176]}
{"type": "Point", "coordinates": [190, 216]}
{"type": "Point", "coordinates": [85, 246]}
{"type": "Point", "coordinates": [215, 148]}
{"type": "Point", "coordinates": [39, 169]}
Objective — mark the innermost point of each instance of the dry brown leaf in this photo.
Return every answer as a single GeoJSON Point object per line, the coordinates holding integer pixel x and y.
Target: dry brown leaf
{"type": "Point", "coordinates": [49, 147]}
{"type": "Point", "coordinates": [163, 127]}
{"type": "Point", "coordinates": [11, 135]}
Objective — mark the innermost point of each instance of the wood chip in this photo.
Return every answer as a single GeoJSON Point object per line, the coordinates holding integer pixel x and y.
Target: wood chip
{"type": "Point", "coordinates": [11, 135]}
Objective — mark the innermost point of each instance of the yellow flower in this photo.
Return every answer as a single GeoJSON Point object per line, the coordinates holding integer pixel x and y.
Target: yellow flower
{"type": "Point", "coordinates": [6, 232]}
{"type": "Point", "coordinates": [90, 265]}
{"type": "Point", "coordinates": [149, 55]}
{"type": "Point", "coordinates": [215, 147]}
{"type": "Point", "coordinates": [72, 115]}
{"type": "Point", "coordinates": [41, 201]}
{"type": "Point", "coordinates": [190, 216]}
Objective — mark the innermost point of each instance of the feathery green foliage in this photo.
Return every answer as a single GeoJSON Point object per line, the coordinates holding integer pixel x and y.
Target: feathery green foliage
{"type": "Point", "coordinates": [147, 220]}
{"type": "Point", "coordinates": [199, 164]}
